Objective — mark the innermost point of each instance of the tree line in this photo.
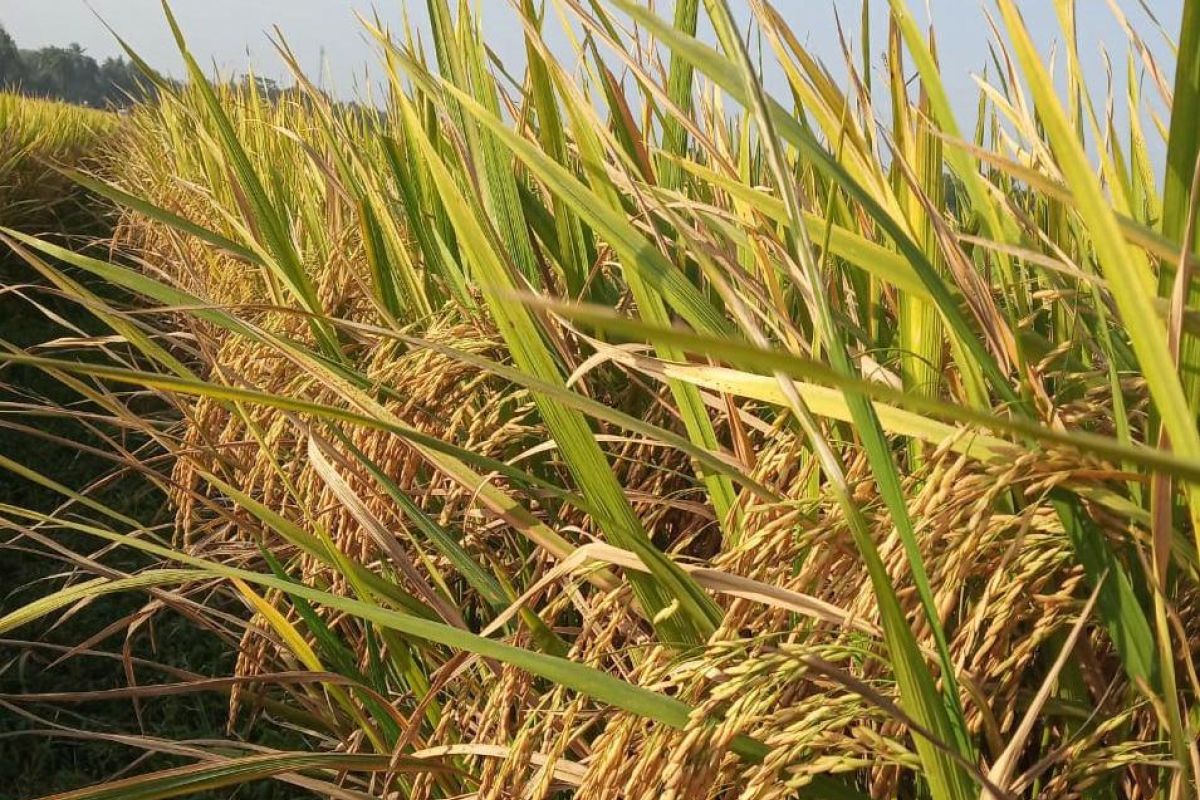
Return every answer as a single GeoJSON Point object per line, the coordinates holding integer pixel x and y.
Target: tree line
{"type": "Point", "coordinates": [69, 74]}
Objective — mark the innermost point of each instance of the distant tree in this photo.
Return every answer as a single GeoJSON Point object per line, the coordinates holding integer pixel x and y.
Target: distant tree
{"type": "Point", "coordinates": [12, 71]}
{"type": "Point", "coordinates": [66, 73]}
{"type": "Point", "coordinates": [120, 81]}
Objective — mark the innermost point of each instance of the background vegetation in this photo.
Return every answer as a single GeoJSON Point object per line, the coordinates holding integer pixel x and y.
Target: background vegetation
{"type": "Point", "coordinates": [619, 431]}
{"type": "Point", "coordinates": [69, 74]}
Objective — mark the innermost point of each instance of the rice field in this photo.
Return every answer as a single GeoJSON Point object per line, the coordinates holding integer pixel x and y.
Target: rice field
{"type": "Point", "coordinates": [35, 134]}
{"type": "Point", "coordinates": [620, 430]}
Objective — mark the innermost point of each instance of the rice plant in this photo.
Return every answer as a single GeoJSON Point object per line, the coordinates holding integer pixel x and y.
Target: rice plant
{"type": "Point", "coordinates": [34, 135]}
{"type": "Point", "coordinates": [621, 430]}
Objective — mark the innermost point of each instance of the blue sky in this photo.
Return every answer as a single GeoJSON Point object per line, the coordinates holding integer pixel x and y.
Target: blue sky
{"type": "Point", "coordinates": [329, 39]}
